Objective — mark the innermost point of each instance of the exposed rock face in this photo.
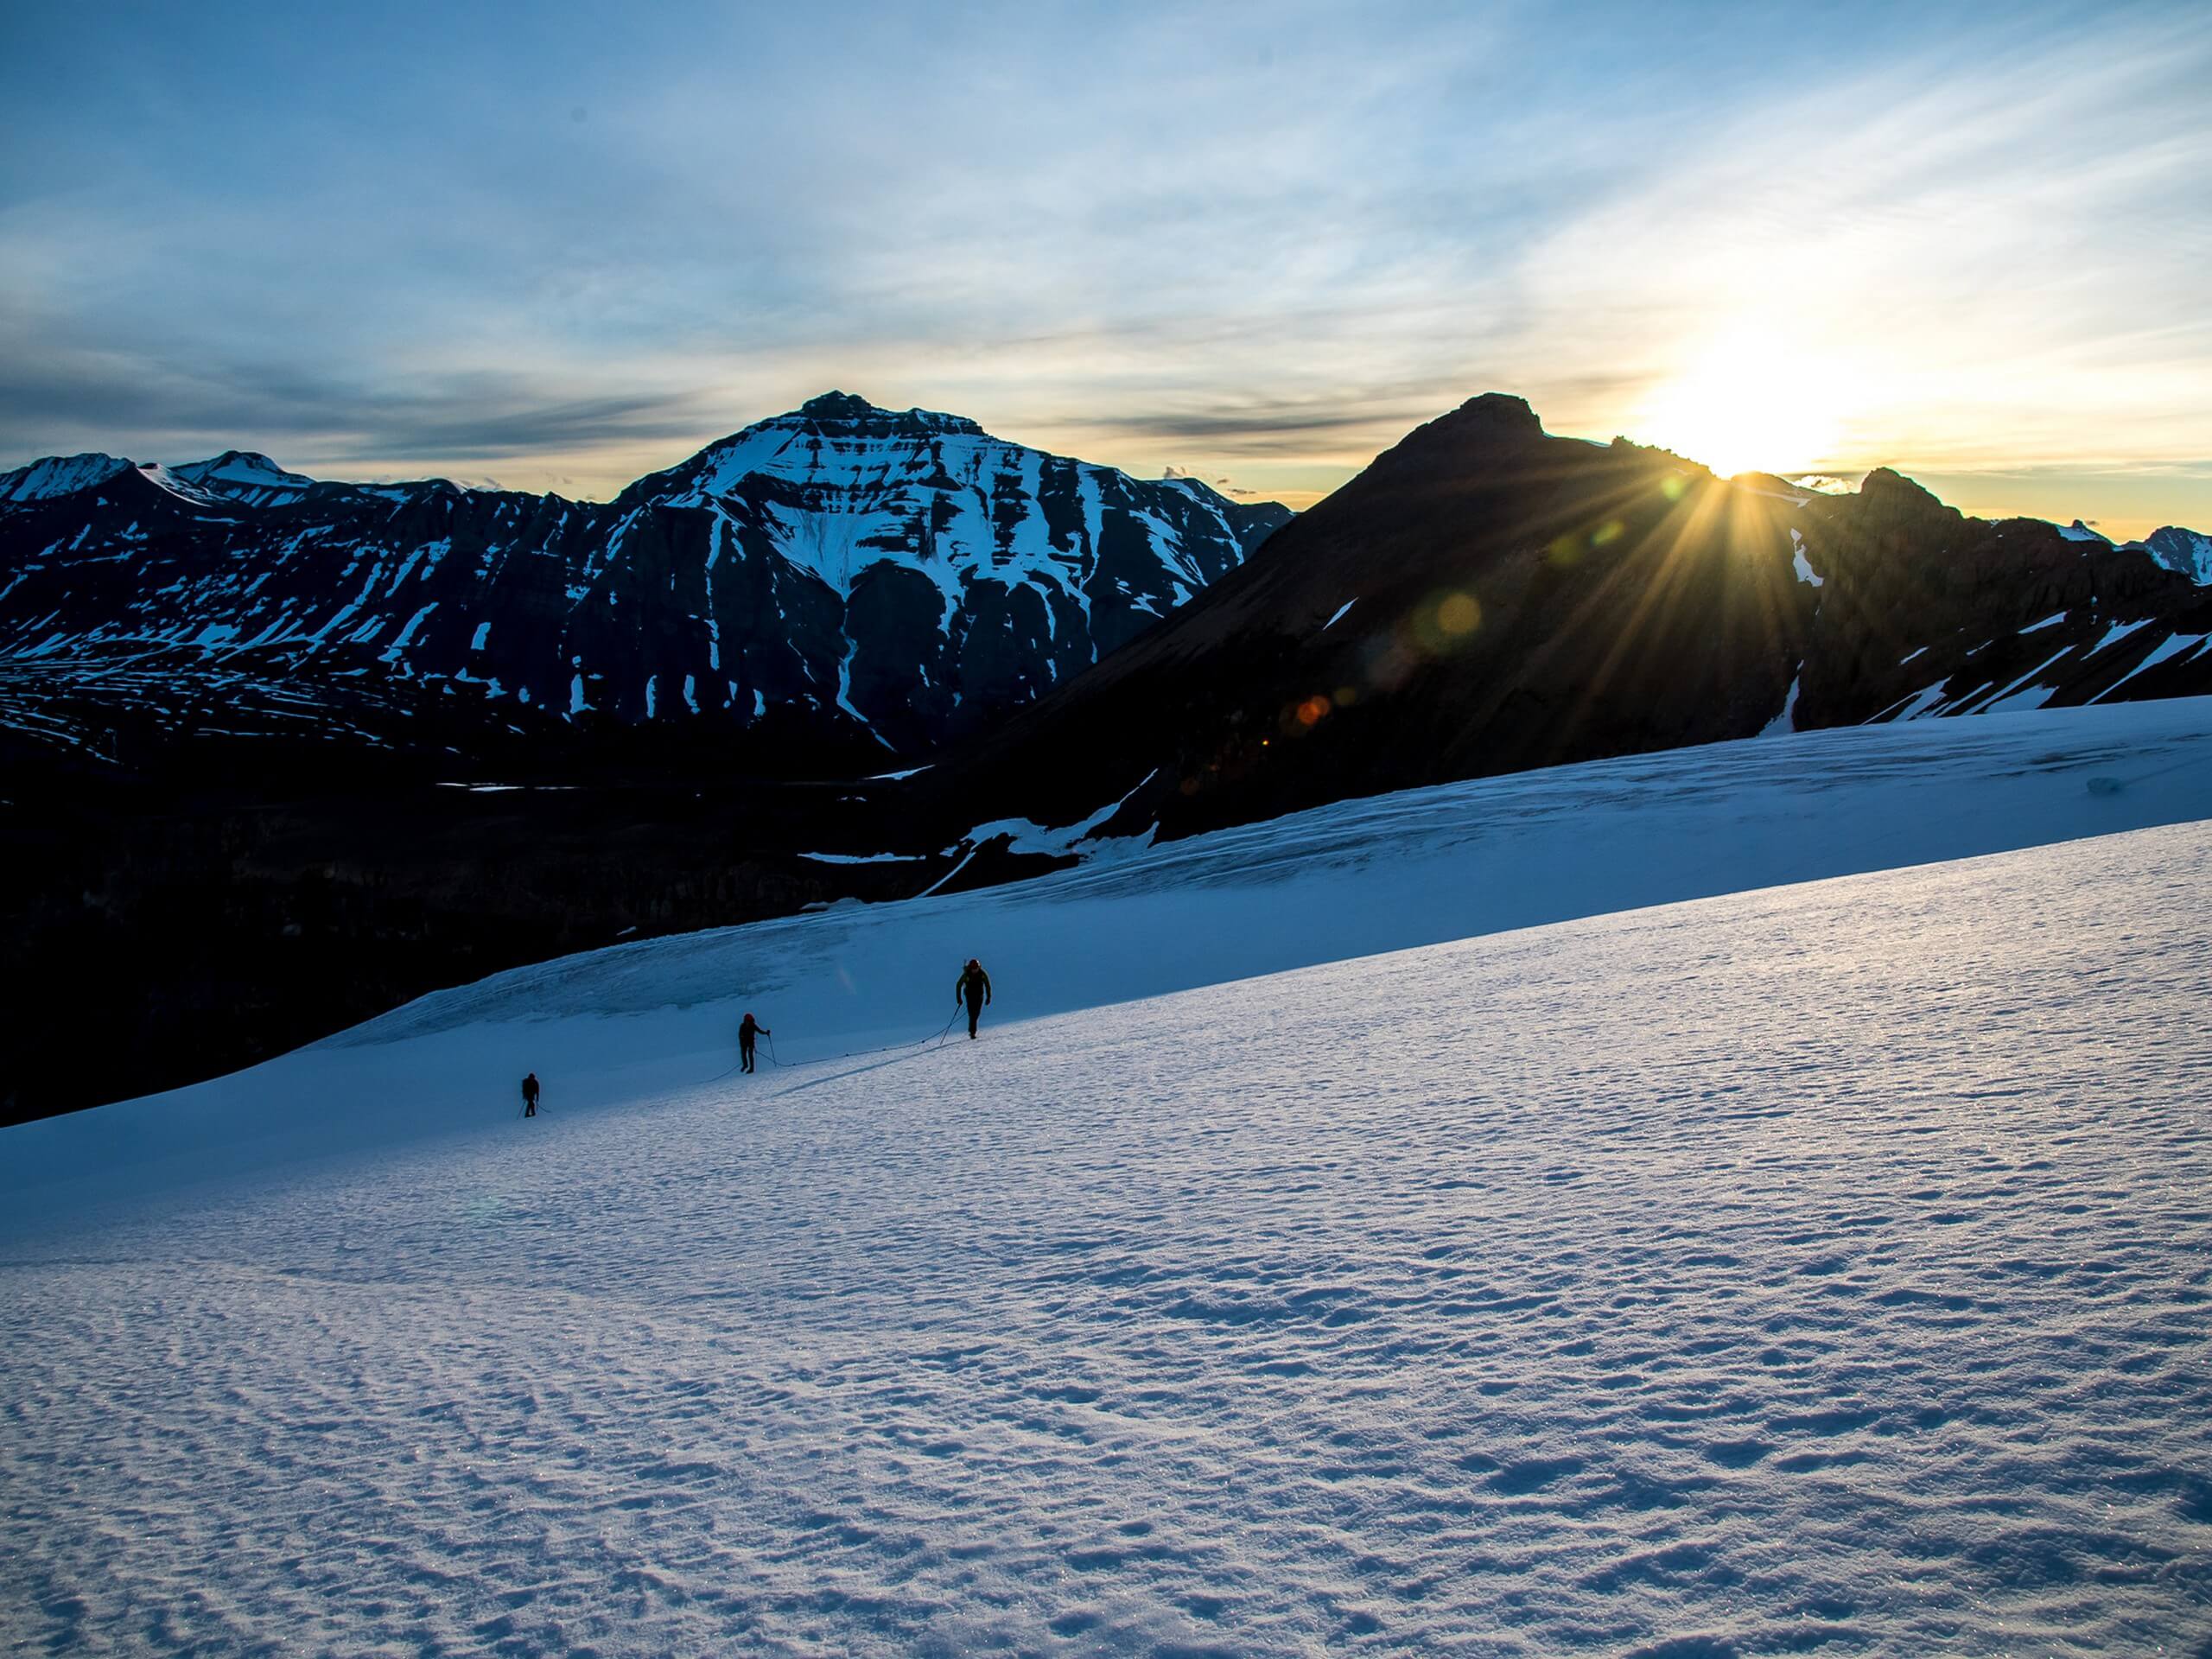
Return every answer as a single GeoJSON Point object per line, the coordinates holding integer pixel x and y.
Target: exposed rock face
{"type": "Point", "coordinates": [1485, 598]}
{"type": "Point", "coordinates": [844, 575]}
{"type": "Point", "coordinates": [1931, 613]}
{"type": "Point", "coordinates": [2186, 550]}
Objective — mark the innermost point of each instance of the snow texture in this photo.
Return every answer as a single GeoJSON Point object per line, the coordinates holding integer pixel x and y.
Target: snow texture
{"type": "Point", "coordinates": [1822, 1267]}
{"type": "Point", "coordinates": [1352, 879]}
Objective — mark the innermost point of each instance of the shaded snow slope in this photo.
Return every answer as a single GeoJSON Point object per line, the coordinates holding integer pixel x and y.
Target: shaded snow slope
{"type": "Point", "coordinates": [1341, 881]}
{"type": "Point", "coordinates": [1818, 1269]}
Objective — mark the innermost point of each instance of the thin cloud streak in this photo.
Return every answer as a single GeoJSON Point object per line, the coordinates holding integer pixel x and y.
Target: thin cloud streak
{"type": "Point", "coordinates": [1259, 243]}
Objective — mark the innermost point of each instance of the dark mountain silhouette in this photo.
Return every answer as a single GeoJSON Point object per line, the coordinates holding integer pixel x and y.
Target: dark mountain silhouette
{"type": "Point", "coordinates": [1486, 597]}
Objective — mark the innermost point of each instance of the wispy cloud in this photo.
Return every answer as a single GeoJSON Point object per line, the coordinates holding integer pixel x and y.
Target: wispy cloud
{"type": "Point", "coordinates": [1258, 243]}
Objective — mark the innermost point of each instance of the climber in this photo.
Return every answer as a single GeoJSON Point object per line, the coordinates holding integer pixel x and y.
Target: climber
{"type": "Point", "coordinates": [748, 1033]}
{"type": "Point", "coordinates": [974, 988]}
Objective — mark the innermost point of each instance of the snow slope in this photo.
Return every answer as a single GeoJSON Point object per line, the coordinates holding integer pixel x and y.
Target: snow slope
{"type": "Point", "coordinates": [58, 475]}
{"type": "Point", "coordinates": [1824, 1268]}
{"type": "Point", "coordinates": [1344, 880]}
{"type": "Point", "coordinates": [246, 477]}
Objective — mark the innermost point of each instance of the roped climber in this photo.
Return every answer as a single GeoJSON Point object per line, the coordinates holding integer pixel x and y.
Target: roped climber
{"type": "Point", "coordinates": [748, 1033]}
{"type": "Point", "coordinates": [973, 988]}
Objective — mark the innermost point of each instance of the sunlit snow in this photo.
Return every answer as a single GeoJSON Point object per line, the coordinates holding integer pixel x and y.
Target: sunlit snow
{"type": "Point", "coordinates": [1820, 1267]}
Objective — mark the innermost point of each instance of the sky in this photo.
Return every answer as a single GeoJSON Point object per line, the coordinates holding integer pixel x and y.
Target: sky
{"type": "Point", "coordinates": [557, 245]}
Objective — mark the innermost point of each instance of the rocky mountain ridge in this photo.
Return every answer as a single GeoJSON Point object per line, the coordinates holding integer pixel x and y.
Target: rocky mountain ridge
{"type": "Point", "coordinates": [838, 583]}
{"type": "Point", "coordinates": [1488, 597]}
{"type": "Point", "coordinates": [198, 890]}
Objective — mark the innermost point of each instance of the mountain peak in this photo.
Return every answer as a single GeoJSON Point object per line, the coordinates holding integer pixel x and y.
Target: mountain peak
{"type": "Point", "coordinates": [56, 475]}
{"type": "Point", "coordinates": [1479, 434]}
{"type": "Point", "coordinates": [1499, 411]}
{"type": "Point", "coordinates": [244, 460]}
{"type": "Point", "coordinates": [846, 411]}
{"type": "Point", "coordinates": [243, 475]}
{"type": "Point", "coordinates": [2186, 550]}
{"type": "Point", "coordinates": [1890, 485]}
{"type": "Point", "coordinates": [241, 466]}
{"type": "Point", "coordinates": [839, 406]}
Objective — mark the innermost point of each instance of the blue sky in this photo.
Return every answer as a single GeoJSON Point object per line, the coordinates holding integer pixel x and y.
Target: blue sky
{"type": "Point", "coordinates": [558, 245]}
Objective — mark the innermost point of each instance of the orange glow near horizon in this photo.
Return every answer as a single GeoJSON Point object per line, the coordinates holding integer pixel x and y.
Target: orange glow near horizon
{"type": "Point", "coordinates": [1750, 401]}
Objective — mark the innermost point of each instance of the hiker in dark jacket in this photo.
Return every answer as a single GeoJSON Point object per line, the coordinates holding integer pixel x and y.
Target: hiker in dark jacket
{"type": "Point", "coordinates": [973, 987]}
{"type": "Point", "coordinates": [529, 1096]}
{"type": "Point", "coordinates": [746, 1034]}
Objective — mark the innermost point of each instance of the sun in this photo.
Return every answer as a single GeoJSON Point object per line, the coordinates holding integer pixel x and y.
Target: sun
{"type": "Point", "coordinates": [1747, 403]}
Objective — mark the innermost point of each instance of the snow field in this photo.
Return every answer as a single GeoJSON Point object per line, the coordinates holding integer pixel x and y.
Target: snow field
{"type": "Point", "coordinates": [1359, 877]}
{"type": "Point", "coordinates": [1821, 1269]}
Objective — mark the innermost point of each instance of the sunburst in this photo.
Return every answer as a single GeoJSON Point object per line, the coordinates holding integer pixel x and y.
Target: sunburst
{"type": "Point", "coordinates": [1749, 401]}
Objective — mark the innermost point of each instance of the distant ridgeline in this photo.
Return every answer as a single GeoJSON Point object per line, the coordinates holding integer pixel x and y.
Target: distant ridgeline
{"type": "Point", "coordinates": [281, 754]}
{"type": "Point", "coordinates": [1487, 597]}
{"type": "Point", "coordinates": [841, 585]}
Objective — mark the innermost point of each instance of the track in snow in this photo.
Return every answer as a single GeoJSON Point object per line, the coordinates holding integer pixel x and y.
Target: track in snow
{"type": "Point", "coordinates": [1821, 1269]}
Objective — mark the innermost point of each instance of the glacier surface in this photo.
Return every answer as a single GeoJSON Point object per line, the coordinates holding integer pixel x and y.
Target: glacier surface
{"type": "Point", "coordinates": [1817, 1267]}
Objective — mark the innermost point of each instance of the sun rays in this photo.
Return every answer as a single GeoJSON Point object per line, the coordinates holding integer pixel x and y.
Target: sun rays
{"type": "Point", "coordinates": [1750, 399]}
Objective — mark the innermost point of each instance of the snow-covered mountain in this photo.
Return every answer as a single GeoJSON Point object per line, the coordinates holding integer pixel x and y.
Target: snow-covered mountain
{"type": "Point", "coordinates": [249, 479]}
{"type": "Point", "coordinates": [1819, 1269]}
{"type": "Point", "coordinates": [58, 475]}
{"type": "Point", "coordinates": [253, 480]}
{"type": "Point", "coordinates": [2186, 550]}
{"type": "Point", "coordinates": [847, 573]}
